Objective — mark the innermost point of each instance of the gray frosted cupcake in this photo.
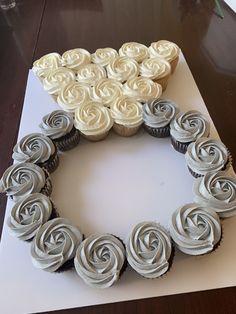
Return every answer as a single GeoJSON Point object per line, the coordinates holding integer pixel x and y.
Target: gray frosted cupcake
{"type": "Point", "coordinates": [186, 128]}
{"type": "Point", "coordinates": [55, 244]}
{"type": "Point", "coordinates": [206, 154]}
{"type": "Point", "coordinates": [217, 190]}
{"type": "Point", "coordinates": [157, 115]}
{"type": "Point", "coordinates": [195, 229]}
{"type": "Point", "coordinates": [22, 179]}
{"type": "Point", "coordinates": [38, 149]}
{"type": "Point", "coordinates": [29, 214]}
{"type": "Point", "coordinates": [100, 260]}
{"type": "Point", "coordinates": [59, 126]}
{"type": "Point", "coordinates": [149, 250]}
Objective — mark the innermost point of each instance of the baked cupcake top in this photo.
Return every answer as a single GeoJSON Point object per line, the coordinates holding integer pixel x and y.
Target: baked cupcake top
{"type": "Point", "coordinates": [159, 112]}
{"type": "Point", "coordinates": [134, 50]}
{"type": "Point", "coordinates": [164, 49]}
{"type": "Point", "coordinates": [122, 68]}
{"type": "Point", "coordinates": [55, 243]}
{"type": "Point", "coordinates": [45, 64]}
{"type": "Point", "coordinates": [56, 79]}
{"type": "Point", "coordinates": [155, 68]}
{"type": "Point", "coordinates": [57, 124]}
{"type": "Point", "coordinates": [28, 215]}
{"type": "Point", "coordinates": [218, 191]}
{"type": "Point", "coordinates": [74, 58]}
{"type": "Point", "coordinates": [206, 154]}
{"type": "Point", "coordinates": [99, 260]}
{"type": "Point", "coordinates": [142, 88]}
{"type": "Point", "coordinates": [92, 118]}
{"type": "Point", "coordinates": [107, 90]}
{"type": "Point", "coordinates": [22, 179]}
{"type": "Point", "coordinates": [195, 229]}
{"type": "Point", "coordinates": [90, 74]}
{"type": "Point", "coordinates": [127, 111]}
{"type": "Point", "coordinates": [72, 95]}
{"type": "Point", "coordinates": [103, 56]}
{"type": "Point", "coordinates": [34, 147]}
{"type": "Point", "coordinates": [149, 249]}
{"type": "Point", "coordinates": [189, 126]}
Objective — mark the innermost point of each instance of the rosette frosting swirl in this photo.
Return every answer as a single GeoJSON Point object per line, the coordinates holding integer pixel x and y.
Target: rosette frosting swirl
{"type": "Point", "coordinates": [164, 49]}
{"type": "Point", "coordinates": [55, 243]}
{"type": "Point", "coordinates": [127, 111]}
{"type": "Point", "coordinates": [218, 191]}
{"type": "Point", "coordinates": [149, 249]}
{"type": "Point", "coordinates": [189, 126]}
{"type": "Point", "coordinates": [206, 154]}
{"type": "Point", "coordinates": [74, 58]}
{"type": "Point", "coordinates": [155, 68]}
{"type": "Point", "coordinates": [159, 112]}
{"type": "Point", "coordinates": [45, 64]}
{"type": "Point", "coordinates": [107, 90]}
{"type": "Point", "coordinates": [34, 147]}
{"type": "Point", "coordinates": [57, 124]}
{"type": "Point", "coordinates": [56, 79]}
{"type": "Point", "coordinates": [22, 179]}
{"type": "Point", "coordinates": [28, 215]}
{"type": "Point", "coordinates": [90, 74]}
{"type": "Point", "coordinates": [92, 118]}
{"type": "Point", "coordinates": [72, 95]}
{"type": "Point", "coordinates": [122, 68]}
{"type": "Point", "coordinates": [134, 50]}
{"type": "Point", "coordinates": [103, 56]}
{"type": "Point", "coordinates": [195, 229]}
{"type": "Point", "coordinates": [142, 88]}
{"type": "Point", "coordinates": [99, 260]}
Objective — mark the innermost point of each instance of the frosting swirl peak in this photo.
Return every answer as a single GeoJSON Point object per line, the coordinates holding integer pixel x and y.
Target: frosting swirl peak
{"type": "Point", "coordinates": [74, 58]}
{"type": "Point", "coordinates": [134, 50]}
{"type": "Point", "coordinates": [122, 68]}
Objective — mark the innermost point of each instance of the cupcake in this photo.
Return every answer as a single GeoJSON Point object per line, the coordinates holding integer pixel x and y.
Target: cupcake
{"type": "Point", "coordinates": [217, 190]}
{"type": "Point", "coordinates": [22, 179]}
{"type": "Point", "coordinates": [127, 115]}
{"type": "Point", "coordinates": [90, 74]}
{"type": "Point", "coordinates": [149, 250]}
{"type": "Point", "coordinates": [103, 56]}
{"type": "Point", "coordinates": [206, 154]}
{"type": "Point", "coordinates": [107, 90]}
{"type": "Point", "coordinates": [156, 69]}
{"type": "Point", "coordinates": [122, 68]}
{"type": "Point", "coordinates": [54, 246]}
{"type": "Point", "coordinates": [186, 128]}
{"type": "Point", "coordinates": [143, 89]}
{"type": "Point", "coordinates": [59, 127]}
{"type": "Point", "coordinates": [38, 149]}
{"type": "Point", "coordinates": [195, 229]}
{"type": "Point", "coordinates": [157, 115]}
{"type": "Point", "coordinates": [100, 260]}
{"type": "Point", "coordinates": [134, 50]}
{"type": "Point", "coordinates": [93, 120]}
{"type": "Point", "coordinates": [72, 95]}
{"type": "Point", "coordinates": [29, 214]}
{"type": "Point", "coordinates": [74, 58]}
{"type": "Point", "coordinates": [167, 50]}
{"type": "Point", "coordinates": [45, 64]}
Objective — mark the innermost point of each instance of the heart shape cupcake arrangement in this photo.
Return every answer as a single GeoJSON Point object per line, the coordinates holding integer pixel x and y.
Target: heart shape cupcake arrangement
{"type": "Point", "coordinates": [120, 91]}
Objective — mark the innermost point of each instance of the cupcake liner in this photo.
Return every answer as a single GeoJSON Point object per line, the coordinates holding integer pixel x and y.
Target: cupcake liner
{"type": "Point", "coordinates": [179, 146]}
{"type": "Point", "coordinates": [194, 174]}
{"type": "Point", "coordinates": [54, 213]}
{"type": "Point", "coordinates": [68, 141]}
{"type": "Point", "coordinates": [163, 81]}
{"type": "Point", "coordinates": [173, 64]}
{"type": "Point", "coordinates": [158, 132]}
{"type": "Point", "coordinates": [95, 138]}
{"type": "Point", "coordinates": [51, 164]}
{"type": "Point", "coordinates": [125, 130]}
{"type": "Point", "coordinates": [47, 189]}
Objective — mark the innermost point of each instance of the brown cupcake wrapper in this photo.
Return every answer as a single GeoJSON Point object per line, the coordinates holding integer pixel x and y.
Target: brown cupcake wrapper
{"type": "Point", "coordinates": [162, 81]}
{"type": "Point", "coordinates": [68, 141]}
{"type": "Point", "coordinates": [158, 132]}
{"type": "Point", "coordinates": [47, 189]}
{"type": "Point", "coordinates": [179, 146]}
{"type": "Point", "coordinates": [125, 130]}
{"type": "Point", "coordinates": [52, 163]}
{"type": "Point", "coordinates": [173, 64]}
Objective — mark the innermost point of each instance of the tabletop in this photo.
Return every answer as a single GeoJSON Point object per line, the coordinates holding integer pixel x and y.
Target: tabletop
{"type": "Point", "coordinates": [36, 27]}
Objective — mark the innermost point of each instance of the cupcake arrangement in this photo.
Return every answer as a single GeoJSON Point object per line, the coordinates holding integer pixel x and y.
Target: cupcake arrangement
{"type": "Point", "coordinates": [119, 91]}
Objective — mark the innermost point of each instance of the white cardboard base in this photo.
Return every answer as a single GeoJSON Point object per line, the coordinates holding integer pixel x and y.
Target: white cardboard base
{"type": "Point", "coordinates": [110, 186]}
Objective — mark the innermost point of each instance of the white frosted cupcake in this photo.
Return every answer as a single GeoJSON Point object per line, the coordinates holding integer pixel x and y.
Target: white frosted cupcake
{"type": "Point", "coordinates": [107, 90]}
{"type": "Point", "coordinates": [90, 74]}
{"type": "Point", "coordinates": [167, 50]}
{"type": "Point", "coordinates": [122, 68]}
{"type": "Point", "coordinates": [74, 58]}
{"type": "Point", "coordinates": [143, 89]}
{"type": "Point", "coordinates": [103, 56]}
{"type": "Point", "coordinates": [127, 114]}
{"type": "Point", "coordinates": [93, 120]}
{"type": "Point", "coordinates": [134, 50]}
{"type": "Point", "coordinates": [45, 64]}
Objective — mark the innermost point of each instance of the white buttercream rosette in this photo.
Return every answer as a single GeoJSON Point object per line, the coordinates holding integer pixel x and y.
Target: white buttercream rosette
{"type": "Point", "coordinates": [56, 79]}
{"type": "Point", "coordinates": [122, 68]}
{"type": "Point", "coordinates": [107, 91]}
{"type": "Point", "coordinates": [164, 49]}
{"type": "Point", "coordinates": [74, 58]}
{"type": "Point", "coordinates": [46, 63]}
{"type": "Point", "coordinates": [103, 56]}
{"type": "Point", "coordinates": [155, 68]}
{"type": "Point", "coordinates": [134, 50]}
{"type": "Point", "coordinates": [90, 74]}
